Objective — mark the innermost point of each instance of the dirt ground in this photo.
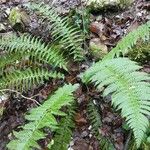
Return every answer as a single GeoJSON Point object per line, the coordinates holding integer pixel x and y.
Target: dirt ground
{"type": "Point", "coordinates": [112, 26]}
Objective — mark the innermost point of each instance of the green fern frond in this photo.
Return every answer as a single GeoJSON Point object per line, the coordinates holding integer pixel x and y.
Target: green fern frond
{"type": "Point", "coordinates": [35, 47]}
{"type": "Point", "coordinates": [9, 59]}
{"type": "Point", "coordinates": [64, 132]}
{"type": "Point", "coordinates": [95, 121]}
{"type": "Point", "coordinates": [127, 42]}
{"type": "Point", "coordinates": [70, 36]}
{"type": "Point", "coordinates": [130, 92]}
{"type": "Point", "coordinates": [25, 80]}
{"type": "Point", "coordinates": [40, 117]}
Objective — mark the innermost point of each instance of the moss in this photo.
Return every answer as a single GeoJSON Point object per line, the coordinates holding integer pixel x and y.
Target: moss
{"type": "Point", "coordinates": [140, 52]}
{"type": "Point", "coordinates": [106, 4]}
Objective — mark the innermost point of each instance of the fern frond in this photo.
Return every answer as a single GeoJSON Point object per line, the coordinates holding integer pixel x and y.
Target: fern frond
{"type": "Point", "coordinates": [35, 47]}
{"type": "Point", "coordinates": [64, 132]}
{"type": "Point", "coordinates": [130, 92]}
{"type": "Point", "coordinates": [24, 80]}
{"type": "Point", "coordinates": [127, 42]}
{"type": "Point", "coordinates": [8, 59]}
{"type": "Point", "coordinates": [40, 117]}
{"type": "Point", "coordinates": [70, 36]}
{"type": "Point", "coordinates": [95, 121]}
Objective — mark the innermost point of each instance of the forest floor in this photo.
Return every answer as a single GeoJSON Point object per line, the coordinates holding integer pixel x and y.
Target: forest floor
{"type": "Point", "coordinates": [110, 26]}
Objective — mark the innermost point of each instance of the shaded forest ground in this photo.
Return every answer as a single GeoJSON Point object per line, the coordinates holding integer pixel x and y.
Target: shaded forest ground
{"type": "Point", "coordinates": [109, 27]}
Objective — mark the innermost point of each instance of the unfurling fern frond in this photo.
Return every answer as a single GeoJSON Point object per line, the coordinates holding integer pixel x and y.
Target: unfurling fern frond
{"type": "Point", "coordinates": [70, 36]}
{"type": "Point", "coordinates": [95, 120]}
{"type": "Point", "coordinates": [24, 80]}
{"type": "Point", "coordinates": [126, 44]}
{"type": "Point", "coordinates": [64, 132]}
{"type": "Point", "coordinates": [130, 92]}
{"type": "Point", "coordinates": [40, 117]}
{"type": "Point", "coordinates": [35, 47]}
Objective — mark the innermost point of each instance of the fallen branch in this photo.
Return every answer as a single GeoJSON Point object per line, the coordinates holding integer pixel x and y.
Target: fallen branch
{"type": "Point", "coordinates": [28, 98]}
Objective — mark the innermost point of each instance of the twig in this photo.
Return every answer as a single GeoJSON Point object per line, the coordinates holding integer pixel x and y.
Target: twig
{"type": "Point", "coordinates": [37, 95]}
{"type": "Point", "coordinates": [28, 98]}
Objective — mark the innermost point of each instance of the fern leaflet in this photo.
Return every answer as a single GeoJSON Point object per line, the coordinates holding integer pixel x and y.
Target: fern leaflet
{"type": "Point", "coordinates": [95, 120]}
{"type": "Point", "coordinates": [9, 59]}
{"type": "Point", "coordinates": [24, 80]}
{"type": "Point", "coordinates": [35, 47]}
{"type": "Point", "coordinates": [64, 131]}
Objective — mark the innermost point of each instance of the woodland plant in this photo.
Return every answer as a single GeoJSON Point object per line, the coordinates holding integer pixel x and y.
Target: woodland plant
{"type": "Point", "coordinates": [95, 120]}
{"type": "Point", "coordinates": [33, 62]}
{"type": "Point", "coordinates": [27, 62]}
{"type": "Point", "coordinates": [130, 88]}
{"type": "Point", "coordinates": [140, 52]}
{"type": "Point", "coordinates": [42, 116]}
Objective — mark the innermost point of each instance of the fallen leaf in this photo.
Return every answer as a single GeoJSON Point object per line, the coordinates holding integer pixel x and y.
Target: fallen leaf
{"type": "Point", "coordinates": [80, 120]}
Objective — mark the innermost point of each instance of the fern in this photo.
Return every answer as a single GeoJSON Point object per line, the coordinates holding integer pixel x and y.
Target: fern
{"type": "Point", "coordinates": [70, 36]}
{"type": "Point", "coordinates": [24, 80]}
{"type": "Point", "coordinates": [9, 59]}
{"type": "Point", "coordinates": [126, 44]}
{"type": "Point", "coordinates": [95, 120]}
{"type": "Point", "coordinates": [35, 47]}
{"type": "Point", "coordinates": [64, 131]}
{"type": "Point", "coordinates": [40, 117]}
{"type": "Point", "coordinates": [130, 92]}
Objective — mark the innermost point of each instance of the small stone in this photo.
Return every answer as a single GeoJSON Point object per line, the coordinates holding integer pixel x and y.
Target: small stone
{"type": "Point", "coordinates": [3, 1]}
{"type": "Point", "coordinates": [7, 11]}
{"type": "Point", "coordinates": [99, 18]}
{"type": "Point", "coordinates": [90, 127]}
{"type": "Point", "coordinates": [2, 27]}
{"type": "Point", "coordinates": [17, 1]}
{"type": "Point", "coordinates": [139, 14]}
{"type": "Point", "coordinates": [90, 135]}
{"type": "Point", "coordinates": [98, 48]}
{"type": "Point", "coordinates": [71, 143]}
{"type": "Point", "coordinates": [3, 98]}
{"type": "Point", "coordinates": [84, 134]}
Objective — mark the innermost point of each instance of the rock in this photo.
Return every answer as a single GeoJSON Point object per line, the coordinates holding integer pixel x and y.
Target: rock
{"type": "Point", "coordinates": [3, 1]}
{"type": "Point", "coordinates": [16, 1]}
{"type": "Point", "coordinates": [102, 4]}
{"type": "Point", "coordinates": [18, 18]}
{"type": "Point", "coordinates": [15, 16]}
{"type": "Point", "coordinates": [3, 99]}
{"type": "Point", "coordinates": [7, 11]}
{"type": "Point", "coordinates": [2, 27]}
{"type": "Point", "coordinates": [98, 48]}
{"type": "Point", "coordinates": [84, 134]}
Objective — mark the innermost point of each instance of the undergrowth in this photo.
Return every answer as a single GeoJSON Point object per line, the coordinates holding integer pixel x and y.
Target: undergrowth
{"type": "Point", "coordinates": [28, 62]}
{"type": "Point", "coordinates": [96, 122]}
